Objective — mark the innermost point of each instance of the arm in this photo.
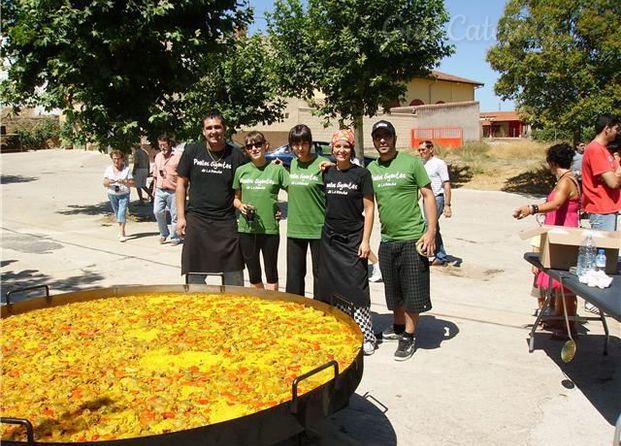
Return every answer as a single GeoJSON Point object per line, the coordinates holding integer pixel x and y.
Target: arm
{"type": "Point", "coordinates": [369, 209]}
{"type": "Point", "coordinates": [180, 193]}
{"type": "Point", "coordinates": [612, 179]}
{"type": "Point", "coordinates": [106, 182]}
{"type": "Point", "coordinates": [563, 193]}
{"type": "Point", "coordinates": [237, 203]}
{"type": "Point", "coordinates": [429, 237]}
{"type": "Point", "coordinates": [448, 210]}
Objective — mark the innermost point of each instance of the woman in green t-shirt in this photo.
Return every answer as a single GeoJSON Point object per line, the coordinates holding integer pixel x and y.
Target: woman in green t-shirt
{"type": "Point", "coordinates": [256, 186]}
{"type": "Point", "coordinates": [306, 210]}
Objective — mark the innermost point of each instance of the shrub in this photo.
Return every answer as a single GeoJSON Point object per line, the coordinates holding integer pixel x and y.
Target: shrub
{"type": "Point", "coordinates": [37, 135]}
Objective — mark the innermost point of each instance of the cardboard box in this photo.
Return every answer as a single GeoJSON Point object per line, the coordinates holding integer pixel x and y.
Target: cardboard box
{"type": "Point", "coordinates": [559, 245]}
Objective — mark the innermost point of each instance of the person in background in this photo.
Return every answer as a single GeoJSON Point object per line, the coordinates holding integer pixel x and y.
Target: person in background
{"type": "Point", "coordinates": [601, 176]}
{"type": "Point", "coordinates": [256, 186]}
{"type": "Point", "coordinates": [576, 162]}
{"type": "Point", "coordinates": [437, 170]}
{"type": "Point", "coordinates": [561, 208]}
{"type": "Point", "coordinates": [117, 180]}
{"type": "Point", "coordinates": [397, 180]}
{"type": "Point", "coordinates": [375, 273]}
{"type": "Point", "coordinates": [346, 234]}
{"type": "Point", "coordinates": [165, 186]}
{"type": "Point", "coordinates": [140, 172]}
{"type": "Point", "coordinates": [306, 211]}
{"type": "Point", "coordinates": [211, 243]}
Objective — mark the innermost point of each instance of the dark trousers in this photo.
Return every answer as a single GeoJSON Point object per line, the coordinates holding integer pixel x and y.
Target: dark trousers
{"type": "Point", "coordinates": [296, 265]}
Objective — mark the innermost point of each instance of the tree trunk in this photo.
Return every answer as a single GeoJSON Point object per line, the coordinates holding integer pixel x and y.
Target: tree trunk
{"type": "Point", "coordinates": [359, 139]}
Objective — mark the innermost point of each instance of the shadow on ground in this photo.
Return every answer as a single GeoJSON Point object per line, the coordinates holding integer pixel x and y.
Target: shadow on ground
{"type": "Point", "coordinates": [430, 331]}
{"type": "Point", "coordinates": [10, 179]}
{"type": "Point", "coordinates": [137, 212]}
{"type": "Point", "coordinates": [538, 181]}
{"type": "Point", "coordinates": [13, 280]}
{"type": "Point", "coordinates": [363, 422]}
{"type": "Point", "coordinates": [459, 175]}
{"type": "Point", "coordinates": [597, 376]}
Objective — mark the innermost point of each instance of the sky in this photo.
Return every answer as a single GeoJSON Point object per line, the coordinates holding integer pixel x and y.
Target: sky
{"type": "Point", "coordinates": [471, 28]}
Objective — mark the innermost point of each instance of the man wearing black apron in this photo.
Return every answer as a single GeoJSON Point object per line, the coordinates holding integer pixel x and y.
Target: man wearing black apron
{"type": "Point", "coordinates": [209, 224]}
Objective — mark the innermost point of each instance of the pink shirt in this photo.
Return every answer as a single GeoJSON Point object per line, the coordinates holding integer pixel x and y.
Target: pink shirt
{"type": "Point", "coordinates": [597, 197]}
{"type": "Point", "coordinates": [167, 166]}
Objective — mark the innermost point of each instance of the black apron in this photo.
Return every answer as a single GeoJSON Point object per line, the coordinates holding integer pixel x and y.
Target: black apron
{"type": "Point", "coordinates": [341, 270]}
{"type": "Point", "coordinates": [210, 246]}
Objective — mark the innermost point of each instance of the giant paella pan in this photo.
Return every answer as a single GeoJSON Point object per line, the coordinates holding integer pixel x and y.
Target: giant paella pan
{"type": "Point", "coordinates": [173, 365]}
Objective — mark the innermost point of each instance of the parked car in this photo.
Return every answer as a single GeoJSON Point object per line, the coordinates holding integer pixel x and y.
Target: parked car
{"type": "Point", "coordinates": [322, 148]}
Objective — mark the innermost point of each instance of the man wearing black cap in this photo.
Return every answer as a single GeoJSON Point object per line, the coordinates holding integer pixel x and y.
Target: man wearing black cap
{"type": "Point", "coordinates": [406, 242]}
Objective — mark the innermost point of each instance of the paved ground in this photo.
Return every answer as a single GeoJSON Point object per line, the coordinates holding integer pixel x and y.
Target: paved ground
{"type": "Point", "coordinates": [471, 381]}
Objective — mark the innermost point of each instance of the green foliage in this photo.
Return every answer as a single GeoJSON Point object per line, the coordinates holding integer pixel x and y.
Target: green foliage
{"type": "Point", "coordinates": [242, 85]}
{"type": "Point", "coordinates": [36, 135]}
{"type": "Point", "coordinates": [357, 54]}
{"type": "Point", "coordinates": [560, 61]}
{"type": "Point", "coordinates": [119, 69]}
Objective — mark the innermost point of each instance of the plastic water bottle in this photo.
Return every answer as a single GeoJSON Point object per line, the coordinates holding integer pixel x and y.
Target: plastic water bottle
{"type": "Point", "coordinates": [591, 253]}
{"type": "Point", "coordinates": [600, 260]}
{"type": "Point", "coordinates": [586, 255]}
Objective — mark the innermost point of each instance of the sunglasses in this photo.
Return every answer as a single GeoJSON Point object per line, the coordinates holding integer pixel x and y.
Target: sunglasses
{"type": "Point", "coordinates": [252, 145]}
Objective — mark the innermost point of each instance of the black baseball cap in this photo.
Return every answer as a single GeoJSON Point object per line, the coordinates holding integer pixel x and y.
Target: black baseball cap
{"type": "Point", "coordinates": [383, 125]}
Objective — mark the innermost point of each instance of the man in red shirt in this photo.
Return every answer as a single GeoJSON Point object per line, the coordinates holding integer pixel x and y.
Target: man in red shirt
{"type": "Point", "coordinates": [601, 176]}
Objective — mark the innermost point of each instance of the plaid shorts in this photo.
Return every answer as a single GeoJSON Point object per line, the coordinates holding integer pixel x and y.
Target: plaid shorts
{"type": "Point", "coordinates": [406, 276]}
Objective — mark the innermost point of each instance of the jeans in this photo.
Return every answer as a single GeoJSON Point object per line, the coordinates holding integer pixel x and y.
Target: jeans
{"type": "Point", "coordinates": [119, 206]}
{"type": "Point", "coordinates": [165, 199]}
{"type": "Point", "coordinates": [233, 278]}
{"type": "Point", "coordinates": [440, 253]}
{"type": "Point", "coordinates": [604, 222]}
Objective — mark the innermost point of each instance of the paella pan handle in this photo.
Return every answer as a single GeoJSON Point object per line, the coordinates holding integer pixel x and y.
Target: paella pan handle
{"type": "Point", "coordinates": [299, 379]}
{"type": "Point", "coordinates": [221, 275]}
{"type": "Point", "coordinates": [21, 422]}
{"type": "Point", "coordinates": [338, 299]}
{"type": "Point", "coordinates": [28, 288]}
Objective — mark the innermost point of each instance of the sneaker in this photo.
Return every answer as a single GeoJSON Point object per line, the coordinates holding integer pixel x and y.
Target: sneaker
{"type": "Point", "coordinates": [389, 334]}
{"type": "Point", "coordinates": [376, 275]}
{"type": "Point", "coordinates": [405, 350]}
{"type": "Point", "coordinates": [175, 242]}
{"type": "Point", "coordinates": [122, 238]}
{"type": "Point", "coordinates": [368, 348]}
{"type": "Point", "coordinates": [162, 240]}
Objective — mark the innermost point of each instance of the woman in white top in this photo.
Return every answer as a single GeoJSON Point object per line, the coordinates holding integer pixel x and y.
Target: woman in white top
{"type": "Point", "coordinates": [118, 179]}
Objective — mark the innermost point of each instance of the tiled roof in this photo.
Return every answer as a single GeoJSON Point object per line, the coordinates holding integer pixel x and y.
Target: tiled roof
{"type": "Point", "coordinates": [500, 116]}
{"type": "Point", "coordinates": [451, 78]}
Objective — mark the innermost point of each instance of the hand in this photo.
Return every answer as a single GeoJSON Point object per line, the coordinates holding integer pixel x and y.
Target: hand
{"type": "Point", "coordinates": [364, 250]}
{"type": "Point", "coordinates": [243, 208]}
{"type": "Point", "coordinates": [448, 212]}
{"type": "Point", "coordinates": [181, 226]}
{"type": "Point", "coordinates": [429, 243]}
{"type": "Point", "coordinates": [325, 165]}
{"type": "Point", "coordinates": [522, 212]}
{"type": "Point", "coordinates": [278, 215]}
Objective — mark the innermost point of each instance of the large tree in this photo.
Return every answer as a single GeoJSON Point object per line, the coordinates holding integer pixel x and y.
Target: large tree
{"type": "Point", "coordinates": [122, 69]}
{"type": "Point", "coordinates": [348, 58]}
{"type": "Point", "coordinates": [560, 61]}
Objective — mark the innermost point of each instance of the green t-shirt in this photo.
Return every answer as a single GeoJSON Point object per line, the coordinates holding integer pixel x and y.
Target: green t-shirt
{"type": "Point", "coordinates": [259, 186]}
{"type": "Point", "coordinates": [396, 184]}
{"type": "Point", "coordinates": [307, 200]}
